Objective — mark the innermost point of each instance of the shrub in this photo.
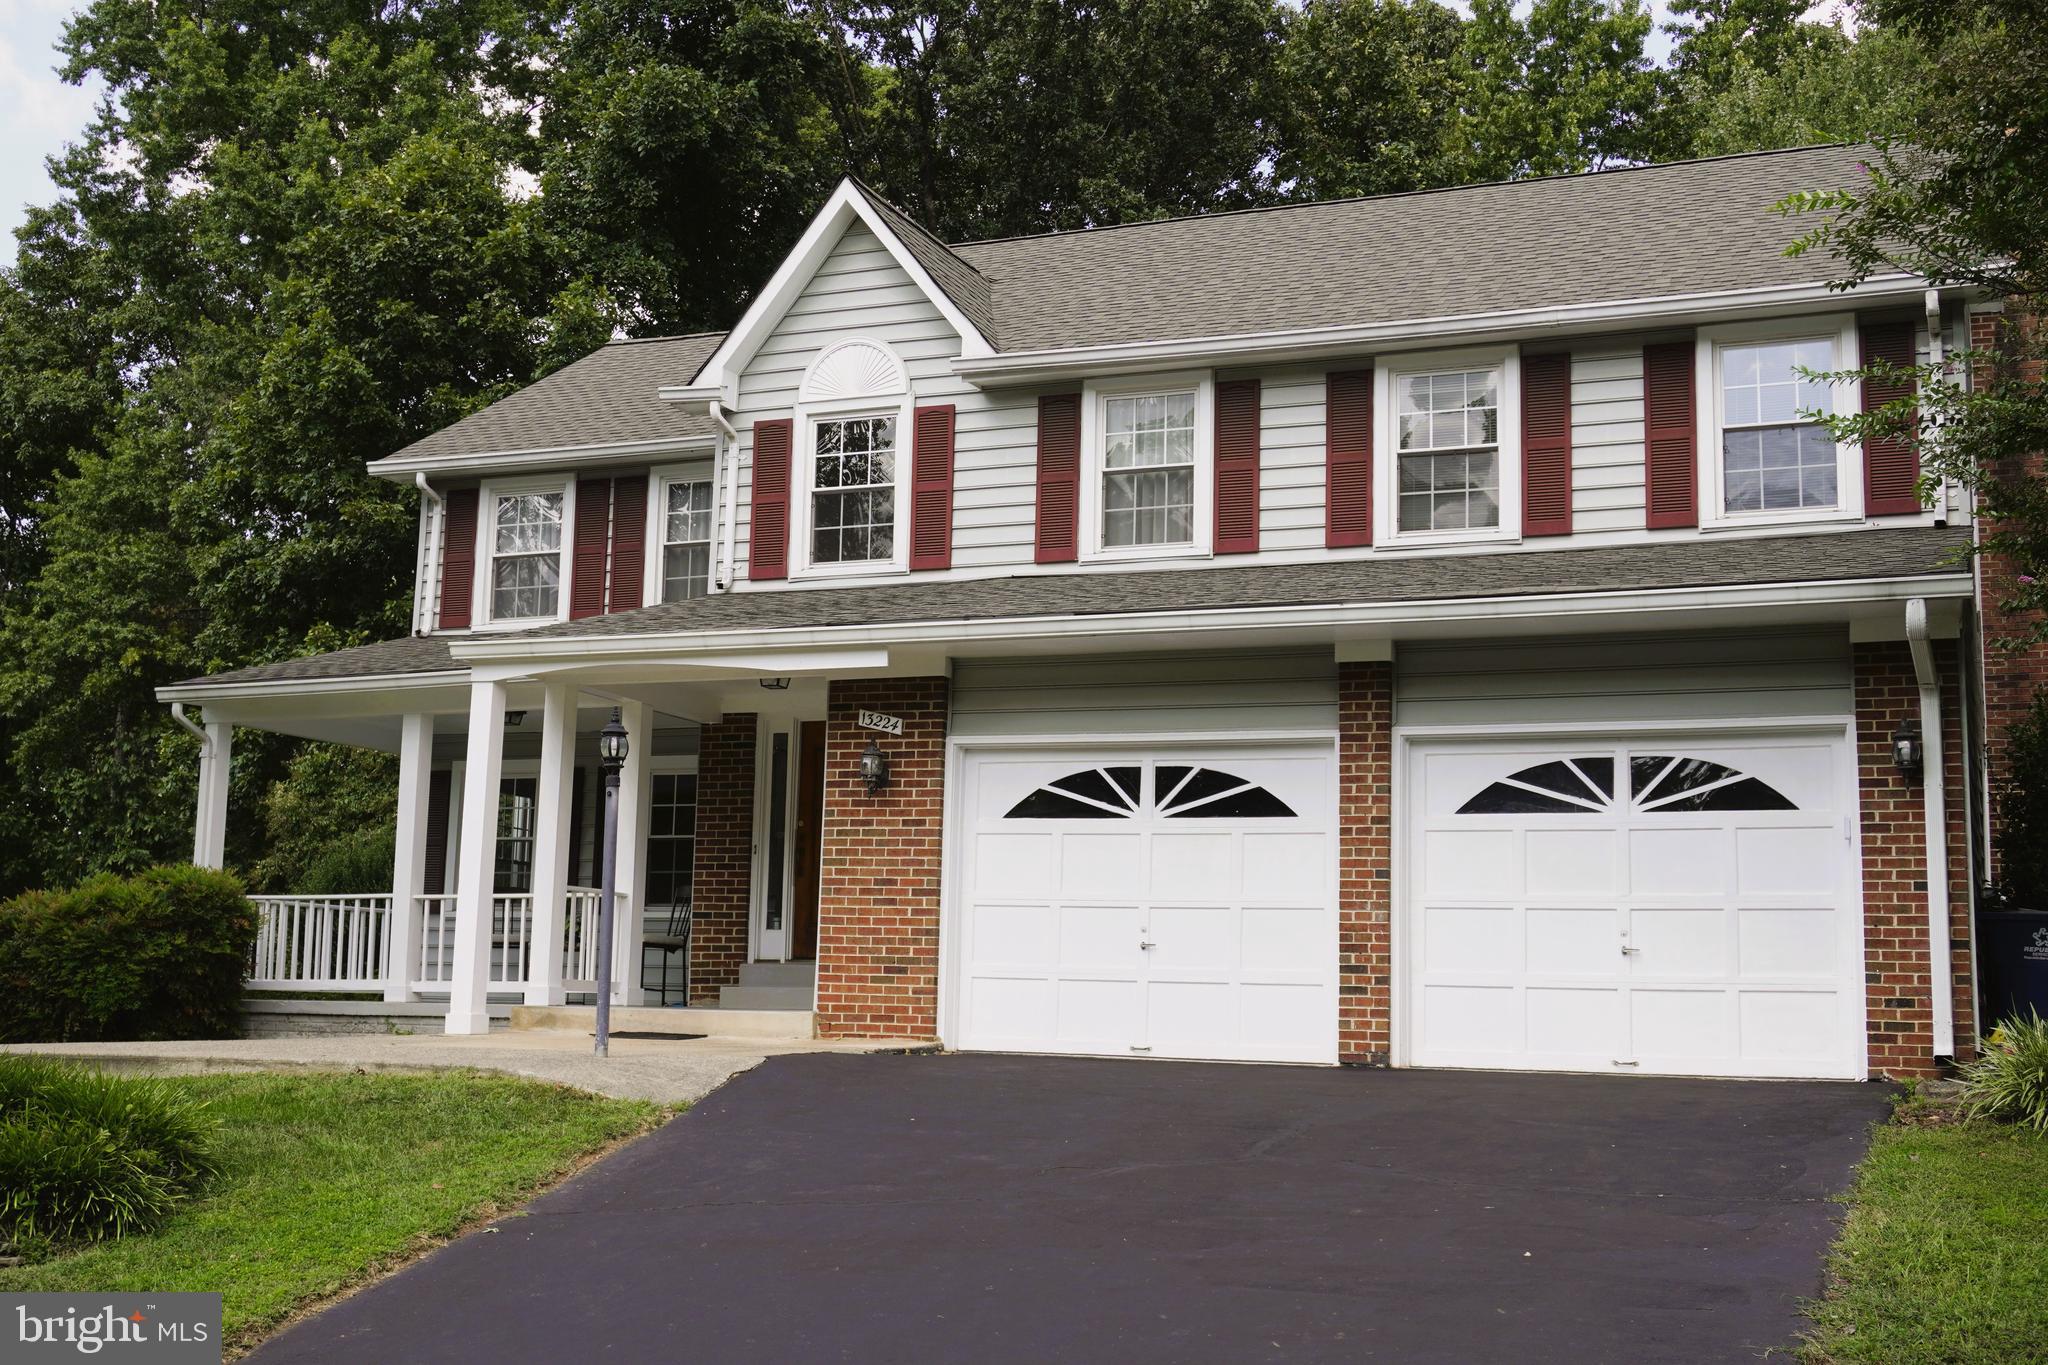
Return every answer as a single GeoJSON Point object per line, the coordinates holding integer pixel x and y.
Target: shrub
{"type": "Point", "coordinates": [330, 794]}
{"type": "Point", "coordinates": [160, 954]}
{"type": "Point", "coordinates": [353, 864]}
{"type": "Point", "coordinates": [2020, 825]}
{"type": "Point", "coordinates": [85, 1156]}
{"type": "Point", "coordinates": [2010, 1081]}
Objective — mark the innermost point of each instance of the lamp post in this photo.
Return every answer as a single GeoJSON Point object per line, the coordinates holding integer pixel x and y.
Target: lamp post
{"type": "Point", "coordinates": [611, 755]}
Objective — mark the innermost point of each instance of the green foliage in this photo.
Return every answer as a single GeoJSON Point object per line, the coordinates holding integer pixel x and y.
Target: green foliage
{"type": "Point", "coordinates": [1564, 88]}
{"type": "Point", "coordinates": [2020, 808]}
{"type": "Point", "coordinates": [160, 954]}
{"type": "Point", "coordinates": [334, 805]}
{"type": "Point", "coordinates": [86, 1156]}
{"type": "Point", "coordinates": [353, 864]}
{"type": "Point", "coordinates": [1830, 88]}
{"type": "Point", "coordinates": [2009, 1082]}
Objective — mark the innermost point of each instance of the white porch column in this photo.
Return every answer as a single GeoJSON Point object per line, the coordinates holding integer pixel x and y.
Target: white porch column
{"type": "Point", "coordinates": [551, 841]}
{"type": "Point", "coordinates": [636, 798]}
{"type": "Point", "coordinates": [469, 989]}
{"type": "Point", "coordinates": [409, 859]}
{"type": "Point", "coordinates": [210, 820]}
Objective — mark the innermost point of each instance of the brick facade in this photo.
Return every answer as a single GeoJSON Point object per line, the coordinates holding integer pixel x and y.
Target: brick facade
{"type": "Point", "coordinates": [1898, 996]}
{"type": "Point", "coordinates": [1365, 715]}
{"type": "Point", "coordinates": [879, 877]}
{"type": "Point", "coordinates": [722, 881]}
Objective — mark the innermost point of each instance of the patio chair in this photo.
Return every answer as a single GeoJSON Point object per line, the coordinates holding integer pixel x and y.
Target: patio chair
{"type": "Point", "coordinates": [675, 939]}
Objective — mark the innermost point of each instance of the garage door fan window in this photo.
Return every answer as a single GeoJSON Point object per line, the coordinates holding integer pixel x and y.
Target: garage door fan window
{"type": "Point", "coordinates": [1183, 792]}
{"type": "Point", "coordinates": [1658, 783]}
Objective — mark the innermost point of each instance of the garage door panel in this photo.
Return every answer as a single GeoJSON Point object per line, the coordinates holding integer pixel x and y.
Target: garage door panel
{"type": "Point", "coordinates": [1099, 936]}
{"type": "Point", "coordinates": [1286, 867]}
{"type": "Point", "coordinates": [1011, 1007]}
{"type": "Point", "coordinates": [1285, 938]}
{"type": "Point", "coordinates": [1111, 866]}
{"type": "Point", "coordinates": [1193, 866]}
{"type": "Point", "coordinates": [1276, 1018]}
{"type": "Point", "coordinates": [1472, 938]}
{"type": "Point", "coordinates": [1677, 904]}
{"type": "Point", "coordinates": [1099, 1015]}
{"type": "Point", "coordinates": [1197, 937]}
{"type": "Point", "coordinates": [1015, 866]}
{"type": "Point", "coordinates": [1192, 1018]}
{"type": "Point", "coordinates": [1468, 864]}
{"type": "Point", "coordinates": [1016, 935]}
{"type": "Point", "coordinates": [1567, 941]}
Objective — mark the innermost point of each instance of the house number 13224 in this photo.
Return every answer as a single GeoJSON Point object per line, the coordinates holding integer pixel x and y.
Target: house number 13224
{"type": "Point", "coordinates": [875, 720]}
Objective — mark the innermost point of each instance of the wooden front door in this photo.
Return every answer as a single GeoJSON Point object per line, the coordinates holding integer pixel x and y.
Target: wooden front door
{"type": "Point", "coordinates": [810, 821]}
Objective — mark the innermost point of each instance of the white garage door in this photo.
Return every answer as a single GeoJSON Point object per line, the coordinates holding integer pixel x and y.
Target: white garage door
{"type": "Point", "coordinates": [1684, 906]}
{"type": "Point", "coordinates": [1148, 902]}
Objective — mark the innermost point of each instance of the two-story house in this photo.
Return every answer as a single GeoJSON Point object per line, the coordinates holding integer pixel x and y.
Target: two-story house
{"type": "Point", "coordinates": [1431, 629]}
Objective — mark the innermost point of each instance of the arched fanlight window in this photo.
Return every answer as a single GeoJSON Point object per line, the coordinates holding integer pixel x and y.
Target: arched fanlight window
{"type": "Point", "coordinates": [1657, 784]}
{"type": "Point", "coordinates": [1181, 791]}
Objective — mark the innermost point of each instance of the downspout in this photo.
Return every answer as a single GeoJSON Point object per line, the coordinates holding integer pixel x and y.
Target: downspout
{"type": "Point", "coordinates": [1937, 351]}
{"type": "Point", "coordinates": [200, 840]}
{"type": "Point", "coordinates": [729, 453]}
{"type": "Point", "coordinates": [1934, 802]}
{"type": "Point", "coordinates": [427, 601]}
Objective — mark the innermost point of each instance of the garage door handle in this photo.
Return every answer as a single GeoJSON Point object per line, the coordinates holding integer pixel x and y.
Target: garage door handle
{"type": "Point", "coordinates": [1144, 943]}
{"type": "Point", "coordinates": [1627, 951]}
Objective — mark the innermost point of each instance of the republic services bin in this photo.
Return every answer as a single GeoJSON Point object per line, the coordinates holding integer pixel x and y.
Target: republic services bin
{"type": "Point", "coordinates": [2012, 964]}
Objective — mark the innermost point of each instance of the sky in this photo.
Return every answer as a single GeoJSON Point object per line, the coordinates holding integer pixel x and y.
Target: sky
{"type": "Point", "coordinates": [41, 113]}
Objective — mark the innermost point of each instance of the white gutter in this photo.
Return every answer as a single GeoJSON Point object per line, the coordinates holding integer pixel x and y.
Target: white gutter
{"type": "Point", "coordinates": [1934, 800]}
{"type": "Point", "coordinates": [205, 744]}
{"type": "Point", "coordinates": [426, 603]}
{"type": "Point", "coordinates": [400, 467]}
{"type": "Point", "coordinates": [1417, 333]}
{"type": "Point", "coordinates": [678, 645]}
{"type": "Point", "coordinates": [729, 447]}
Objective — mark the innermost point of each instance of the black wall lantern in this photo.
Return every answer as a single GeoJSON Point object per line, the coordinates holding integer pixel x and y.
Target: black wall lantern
{"type": "Point", "coordinates": [1907, 751]}
{"type": "Point", "coordinates": [874, 768]}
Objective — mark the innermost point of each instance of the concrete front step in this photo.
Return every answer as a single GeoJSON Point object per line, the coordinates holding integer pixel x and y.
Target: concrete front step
{"type": "Point", "coordinates": [803, 974]}
{"type": "Point", "coordinates": [764, 997]}
{"type": "Point", "coordinates": [716, 1023]}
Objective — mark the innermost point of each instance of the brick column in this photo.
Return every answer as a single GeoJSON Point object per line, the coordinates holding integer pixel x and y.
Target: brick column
{"type": "Point", "coordinates": [1365, 717]}
{"type": "Point", "coordinates": [1898, 989]}
{"type": "Point", "coordinates": [722, 875]}
{"type": "Point", "coordinates": [878, 887]}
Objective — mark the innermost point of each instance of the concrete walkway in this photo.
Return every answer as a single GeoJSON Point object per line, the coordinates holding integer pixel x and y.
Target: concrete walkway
{"type": "Point", "coordinates": [667, 1072]}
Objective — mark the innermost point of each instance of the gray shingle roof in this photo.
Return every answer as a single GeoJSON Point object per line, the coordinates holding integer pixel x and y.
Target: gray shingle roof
{"type": "Point", "coordinates": [1682, 228]}
{"type": "Point", "coordinates": [1663, 564]}
{"type": "Point", "coordinates": [607, 398]}
{"type": "Point", "coordinates": [960, 281]}
{"type": "Point", "coordinates": [1838, 556]}
{"type": "Point", "coordinates": [412, 654]}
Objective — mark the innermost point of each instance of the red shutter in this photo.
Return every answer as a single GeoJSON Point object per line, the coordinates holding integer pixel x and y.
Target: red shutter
{"type": "Point", "coordinates": [1547, 445]}
{"type": "Point", "coordinates": [458, 557]}
{"type": "Point", "coordinates": [1237, 467]}
{"type": "Point", "coordinates": [931, 488]}
{"type": "Point", "coordinates": [1347, 458]}
{"type": "Point", "coordinates": [768, 536]}
{"type": "Point", "coordinates": [587, 553]}
{"type": "Point", "coordinates": [629, 541]}
{"type": "Point", "coordinates": [434, 874]}
{"type": "Point", "coordinates": [1059, 478]}
{"type": "Point", "coordinates": [1891, 465]}
{"type": "Point", "coordinates": [1670, 440]}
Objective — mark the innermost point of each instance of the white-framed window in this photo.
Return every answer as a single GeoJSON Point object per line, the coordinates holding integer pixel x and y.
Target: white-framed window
{"type": "Point", "coordinates": [523, 563]}
{"type": "Point", "coordinates": [1449, 464]}
{"type": "Point", "coordinates": [684, 511]}
{"type": "Point", "coordinates": [850, 506]}
{"type": "Point", "coordinates": [854, 472]}
{"type": "Point", "coordinates": [1765, 453]}
{"type": "Point", "coordinates": [1147, 467]}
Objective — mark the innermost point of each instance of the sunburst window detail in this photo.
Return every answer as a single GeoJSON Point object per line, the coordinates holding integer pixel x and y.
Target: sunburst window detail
{"type": "Point", "coordinates": [1181, 792]}
{"type": "Point", "coordinates": [1657, 784]}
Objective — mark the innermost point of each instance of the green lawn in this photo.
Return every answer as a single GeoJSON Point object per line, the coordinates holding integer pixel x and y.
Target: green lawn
{"type": "Point", "coordinates": [328, 1176]}
{"type": "Point", "coordinates": [1945, 1253]}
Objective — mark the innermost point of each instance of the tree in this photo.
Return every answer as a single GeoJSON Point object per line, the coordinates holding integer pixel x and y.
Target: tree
{"type": "Point", "coordinates": [1966, 203]}
{"type": "Point", "coordinates": [1566, 89]}
{"type": "Point", "coordinates": [1371, 98]}
{"type": "Point", "coordinates": [1836, 88]}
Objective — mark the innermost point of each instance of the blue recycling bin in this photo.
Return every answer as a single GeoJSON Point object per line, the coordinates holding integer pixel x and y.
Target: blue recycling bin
{"type": "Point", "coordinates": [2012, 964]}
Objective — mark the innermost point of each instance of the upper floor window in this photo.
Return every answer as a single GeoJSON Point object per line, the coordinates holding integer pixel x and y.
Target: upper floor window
{"type": "Point", "coordinates": [685, 539]}
{"type": "Point", "coordinates": [1148, 470]}
{"type": "Point", "coordinates": [853, 497]}
{"type": "Point", "coordinates": [1776, 456]}
{"type": "Point", "coordinates": [1448, 430]}
{"type": "Point", "coordinates": [525, 555]}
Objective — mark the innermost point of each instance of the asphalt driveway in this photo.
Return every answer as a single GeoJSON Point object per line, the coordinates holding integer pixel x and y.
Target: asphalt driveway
{"type": "Point", "coordinates": [993, 1209]}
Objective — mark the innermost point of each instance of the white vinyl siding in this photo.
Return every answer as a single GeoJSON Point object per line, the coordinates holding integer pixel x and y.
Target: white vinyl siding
{"type": "Point", "coordinates": [1607, 440]}
{"type": "Point", "coordinates": [1735, 675]}
{"type": "Point", "coordinates": [1225, 692]}
{"type": "Point", "coordinates": [1291, 437]}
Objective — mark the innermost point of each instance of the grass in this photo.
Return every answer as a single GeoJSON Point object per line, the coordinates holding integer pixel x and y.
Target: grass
{"type": "Point", "coordinates": [1944, 1256]}
{"type": "Point", "coordinates": [327, 1178]}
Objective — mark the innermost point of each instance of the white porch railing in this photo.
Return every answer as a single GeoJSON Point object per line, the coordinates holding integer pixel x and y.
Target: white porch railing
{"type": "Point", "coordinates": [343, 943]}
{"type": "Point", "coordinates": [332, 943]}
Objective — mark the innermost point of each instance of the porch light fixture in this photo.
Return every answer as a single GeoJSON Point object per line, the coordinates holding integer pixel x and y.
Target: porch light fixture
{"type": "Point", "coordinates": [515, 719]}
{"type": "Point", "coordinates": [874, 768]}
{"type": "Point", "coordinates": [1907, 751]}
{"type": "Point", "coordinates": [611, 756]}
{"type": "Point", "coordinates": [776, 684]}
